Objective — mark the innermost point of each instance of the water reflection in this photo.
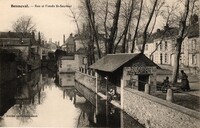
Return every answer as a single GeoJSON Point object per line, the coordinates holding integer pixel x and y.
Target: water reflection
{"type": "Point", "coordinates": [39, 99]}
{"type": "Point", "coordinates": [99, 113]}
{"type": "Point", "coordinates": [65, 79]}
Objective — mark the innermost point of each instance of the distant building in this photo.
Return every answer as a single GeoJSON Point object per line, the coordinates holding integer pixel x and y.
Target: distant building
{"type": "Point", "coordinates": [68, 63]}
{"type": "Point", "coordinates": [26, 43]}
{"type": "Point", "coordinates": [192, 47]}
{"type": "Point", "coordinates": [161, 45]}
{"type": "Point", "coordinates": [69, 45]}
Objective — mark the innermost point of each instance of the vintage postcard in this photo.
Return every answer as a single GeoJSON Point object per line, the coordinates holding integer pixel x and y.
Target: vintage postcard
{"type": "Point", "coordinates": [100, 63]}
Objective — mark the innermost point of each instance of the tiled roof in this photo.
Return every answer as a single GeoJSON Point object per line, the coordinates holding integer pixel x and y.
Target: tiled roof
{"type": "Point", "coordinates": [173, 31]}
{"type": "Point", "coordinates": [85, 36]}
{"type": "Point", "coordinates": [111, 62]}
{"type": "Point", "coordinates": [168, 32]}
{"type": "Point", "coordinates": [193, 30]}
{"type": "Point", "coordinates": [15, 35]}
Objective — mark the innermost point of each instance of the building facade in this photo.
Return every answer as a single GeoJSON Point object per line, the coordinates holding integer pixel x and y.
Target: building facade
{"type": "Point", "coordinates": [162, 44]}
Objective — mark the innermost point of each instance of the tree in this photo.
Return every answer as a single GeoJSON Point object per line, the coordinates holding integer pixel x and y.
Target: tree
{"type": "Point", "coordinates": [126, 15]}
{"type": "Point", "coordinates": [179, 40]}
{"type": "Point", "coordinates": [137, 26]}
{"type": "Point", "coordinates": [111, 39]}
{"type": "Point", "coordinates": [92, 23]}
{"type": "Point", "coordinates": [126, 27]}
{"type": "Point", "coordinates": [24, 24]}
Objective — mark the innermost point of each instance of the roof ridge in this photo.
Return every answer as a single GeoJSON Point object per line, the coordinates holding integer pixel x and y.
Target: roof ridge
{"type": "Point", "coordinates": [124, 54]}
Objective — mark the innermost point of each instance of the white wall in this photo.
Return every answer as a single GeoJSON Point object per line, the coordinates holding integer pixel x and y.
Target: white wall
{"type": "Point", "coordinates": [68, 65]}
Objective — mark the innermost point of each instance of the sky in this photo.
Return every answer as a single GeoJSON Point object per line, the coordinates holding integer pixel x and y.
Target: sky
{"type": "Point", "coordinates": [53, 22]}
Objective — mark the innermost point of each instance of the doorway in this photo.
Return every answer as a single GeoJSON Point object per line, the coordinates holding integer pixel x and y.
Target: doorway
{"type": "Point", "coordinates": [142, 80]}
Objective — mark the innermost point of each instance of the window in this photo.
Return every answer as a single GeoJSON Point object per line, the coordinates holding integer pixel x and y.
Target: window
{"type": "Point", "coordinates": [165, 57]}
{"type": "Point", "coordinates": [194, 59]}
{"type": "Point", "coordinates": [182, 48]}
{"type": "Point", "coordinates": [146, 48]}
{"type": "Point", "coordinates": [180, 59]}
{"type": "Point", "coordinates": [166, 45]}
{"type": "Point", "coordinates": [194, 44]}
{"type": "Point", "coordinates": [173, 45]}
{"type": "Point", "coordinates": [160, 46]}
{"type": "Point", "coordinates": [160, 58]}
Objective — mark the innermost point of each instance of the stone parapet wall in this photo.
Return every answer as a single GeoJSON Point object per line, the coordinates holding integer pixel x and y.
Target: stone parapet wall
{"type": "Point", "coordinates": [158, 113]}
{"type": "Point", "coordinates": [88, 81]}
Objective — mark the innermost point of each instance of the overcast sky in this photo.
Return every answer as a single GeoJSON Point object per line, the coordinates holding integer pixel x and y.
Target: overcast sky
{"type": "Point", "coordinates": [53, 22]}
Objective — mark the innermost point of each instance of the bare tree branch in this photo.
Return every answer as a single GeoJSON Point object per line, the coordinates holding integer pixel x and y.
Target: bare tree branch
{"type": "Point", "coordinates": [24, 24]}
{"type": "Point", "coordinates": [147, 26]}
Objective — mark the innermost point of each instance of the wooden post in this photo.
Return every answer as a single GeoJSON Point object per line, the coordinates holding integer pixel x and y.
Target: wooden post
{"type": "Point", "coordinates": [96, 75]}
{"type": "Point", "coordinates": [122, 94]}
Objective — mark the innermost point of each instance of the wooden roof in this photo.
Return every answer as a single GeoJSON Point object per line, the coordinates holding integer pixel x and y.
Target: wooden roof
{"type": "Point", "coordinates": [112, 62]}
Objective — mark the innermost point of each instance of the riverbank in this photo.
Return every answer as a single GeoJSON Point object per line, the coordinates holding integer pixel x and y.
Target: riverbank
{"type": "Point", "coordinates": [13, 65]}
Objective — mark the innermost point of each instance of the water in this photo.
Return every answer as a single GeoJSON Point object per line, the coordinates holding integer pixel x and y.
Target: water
{"type": "Point", "coordinates": [45, 99]}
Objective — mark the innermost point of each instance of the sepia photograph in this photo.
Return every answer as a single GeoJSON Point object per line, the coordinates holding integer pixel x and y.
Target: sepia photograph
{"type": "Point", "coordinates": [100, 63]}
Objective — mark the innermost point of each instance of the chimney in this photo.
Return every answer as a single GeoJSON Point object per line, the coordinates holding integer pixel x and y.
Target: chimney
{"type": "Point", "coordinates": [63, 39]}
{"type": "Point", "coordinates": [39, 38]}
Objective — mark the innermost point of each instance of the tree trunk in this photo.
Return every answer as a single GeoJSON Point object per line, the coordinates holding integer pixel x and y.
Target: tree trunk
{"type": "Point", "coordinates": [179, 41]}
{"type": "Point", "coordinates": [176, 60]}
{"type": "Point", "coordinates": [91, 47]}
{"type": "Point", "coordinates": [137, 26]}
{"type": "Point", "coordinates": [93, 26]}
{"type": "Point", "coordinates": [105, 28]}
{"type": "Point", "coordinates": [114, 28]}
{"type": "Point", "coordinates": [126, 28]}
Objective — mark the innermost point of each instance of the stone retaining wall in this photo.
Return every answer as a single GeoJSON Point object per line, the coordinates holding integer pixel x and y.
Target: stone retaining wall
{"type": "Point", "coordinates": [8, 69]}
{"type": "Point", "coordinates": [158, 113]}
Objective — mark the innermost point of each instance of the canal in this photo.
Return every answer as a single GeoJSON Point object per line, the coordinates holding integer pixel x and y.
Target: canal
{"type": "Point", "coordinates": [43, 98]}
